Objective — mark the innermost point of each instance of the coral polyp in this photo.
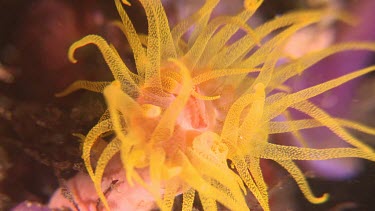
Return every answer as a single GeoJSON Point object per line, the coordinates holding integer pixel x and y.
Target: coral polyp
{"type": "Point", "coordinates": [197, 113]}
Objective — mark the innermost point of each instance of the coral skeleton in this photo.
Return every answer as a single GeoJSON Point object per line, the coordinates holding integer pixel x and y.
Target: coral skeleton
{"type": "Point", "coordinates": [198, 110]}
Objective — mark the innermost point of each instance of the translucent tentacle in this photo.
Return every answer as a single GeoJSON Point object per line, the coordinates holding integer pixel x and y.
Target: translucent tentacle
{"type": "Point", "coordinates": [143, 38]}
{"type": "Point", "coordinates": [183, 26]}
{"type": "Point", "coordinates": [122, 102]}
{"type": "Point", "coordinates": [198, 28]}
{"type": "Point", "coordinates": [280, 152]}
{"type": "Point", "coordinates": [318, 114]}
{"type": "Point", "coordinates": [296, 17]}
{"type": "Point", "coordinates": [129, 159]}
{"type": "Point", "coordinates": [166, 124]}
{"type": "Point", "coordinates": [133, 39]}
{"type": "Point", "coordinates": [272, 54]}
{"type": "Point", "coordinates": [136, 78]}
{"type": "Point", "coordinates": [302, 183]}
{"type": "Point", "coordinates": [194, 54]}
{"type": "Point", "coordinates": [168, 49]}
{"type": "Point", "coordinates": [118, 68]}
{"type": "Point", "coordinates": [225, 177]}
{"type": "Point", "coordinates": [117, 100]}
{"type": "Point", "coordinates": [111, 149]}
{"type": "Point", "coordinates": [81, 84]}
{"type": "Point", "coordinates": [286, 126]}
{"type": "Point", "coordinates": [135, 44]}
{"type": "Point", "coordinates": [89, 141]}
{"type": "Point", "coordinates": [157, 159]}
{"type": "Point", "coordinates": [208, 203]}
{"type": "Point", "coordinates": [203, 97]}
{"type": "Point", "coordinates": [152, 75]}
{"type": "Point", "coordinates": [169, 84]}
{"type": "Point", "coordinates": [253, 119]}
{"type": "Point", "coordinates": [126, 2]}
{"type": "Point", "coordinates": [240, 47]}
{"type": "Point", "coordinates": [242, 169]}
{"type": "Point", "coordinates": [170, 193]}
{"type": "Point", "coordinates": [105, 116]}
{"type": "Point", "coordinates": [268, 54]}
{"type": "Point", "coordinates": [256, 172]}
{"type": "Point", "coordinates": [262, 53]}
{"type": "Point", "coordinates": [219, 40]}
{"type": "Point", "coordinates": [232, 120]}
{"type": "Point", "coordinates": [279, 106]}
{"type": "Point", "coordinates": [160, 42]}
{"type": "Point", "coordinates": [188, 199]}
{"type": "Point", "coordinates": [296, 133]}
{"type": "Point", "coordinates": [249, 133]}
{"type": "Point", "coordinates": [296, 67]}
{"type": "Point", "coordinates": [252, 5]}
{"type": "Point", "coordinates": [191, 176]}
{"type": "Point", "coordinates": [209, 75]}
{"type": "Point", "coordinates": [356, 126]}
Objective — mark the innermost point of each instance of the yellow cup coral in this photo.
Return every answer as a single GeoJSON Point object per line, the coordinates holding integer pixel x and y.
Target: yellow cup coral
{"type": "Point", "coordinates": [193, 116]}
